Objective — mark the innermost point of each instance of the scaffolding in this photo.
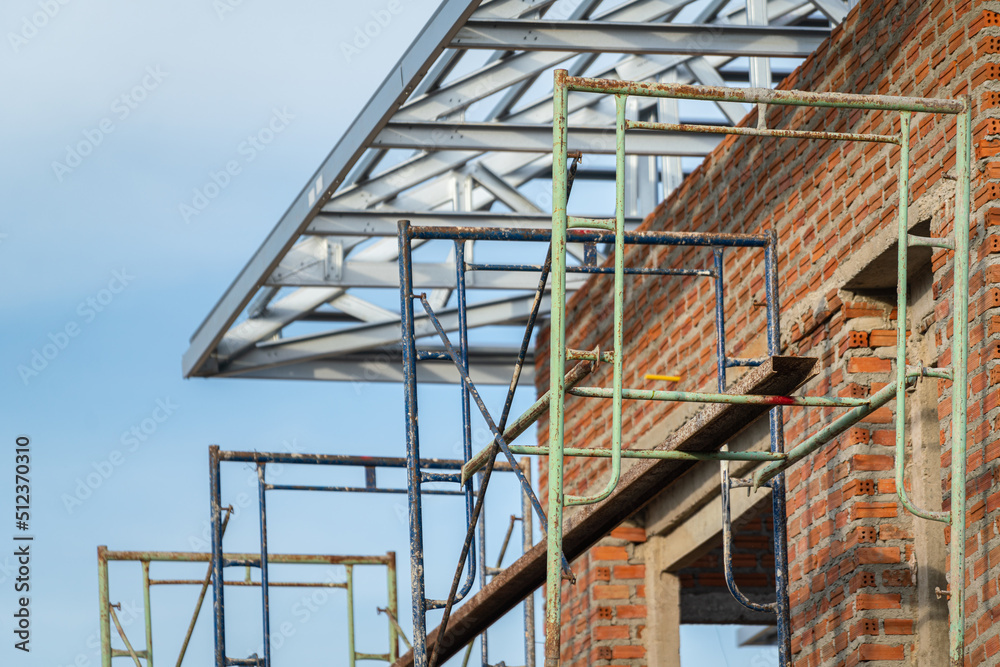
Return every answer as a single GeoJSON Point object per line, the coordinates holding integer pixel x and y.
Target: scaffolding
{"type": "Point", "coordinates": [568, 229]}
{"type": "Point", "coordinates": [143, 657]}
{"type": "Point", "coordinates": [418, 471]}
{"type": "Point", "coordinates": [764, 388]}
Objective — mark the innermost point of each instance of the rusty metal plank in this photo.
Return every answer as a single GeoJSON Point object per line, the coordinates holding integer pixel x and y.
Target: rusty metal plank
{"type": "Point", "coordinates": [708, 430]}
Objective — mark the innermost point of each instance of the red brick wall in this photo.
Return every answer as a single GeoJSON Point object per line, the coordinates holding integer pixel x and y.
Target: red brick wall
{"type": "Point", "coordinates": [850, 545]}
{"type": "Point", "coordinates": [605, 611]}
{"type": "Point", "coordinates": [753, 563]}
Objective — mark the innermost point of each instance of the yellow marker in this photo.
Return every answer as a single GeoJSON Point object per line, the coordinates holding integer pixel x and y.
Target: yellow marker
{"type": "Point", "coordinates": [668, 378]}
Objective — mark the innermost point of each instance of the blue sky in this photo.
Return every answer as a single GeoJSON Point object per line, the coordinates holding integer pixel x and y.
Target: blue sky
{"type": "Point", "coordinates": [120, 117]}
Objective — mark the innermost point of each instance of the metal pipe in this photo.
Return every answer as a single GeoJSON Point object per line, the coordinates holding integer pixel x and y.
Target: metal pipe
{"type": "Point", "coordinates": [763, 132]}
{"type": "Point", "coordinates": [777, 433]}
{"type": "Point", "coordinates": [497, 443]}
{"type": "Point", "coordinates": [521, 424]}
{"type": "Point", "coordinates": [902, 330]}
{"type": "Point", "coordinates": [557, 369]}
{"type": "Point", "coordinates": [701, 397]}
{"type": "Point", "coordinates": [243, 558]}
{"type": "Point", "coordinates": [720, 318]}
{"type": "Point", "coordinates": [484, 646]}
{"type": "Point", "coordinates": [409, 353]}
{"type": "Point", "coordinates": [351, 653]}
{"type": "Point", "coordinates": [392, 607]}
{"type": "Point", "coordinates": [619, 316]}
{"type": "Point", "coordinates": [629, 271]}
{"type": "Point", "coordinates": [726, 487]}
{"type": "Point", "coordinates": [434, 232]}
{"type": "Point", "coordinates": [832, 430]}
{"type": "Point", "coordinates": [670, 455]}
{"type": "Point", "coordinates": [201, 597]}
{"type": "Point", "coordinates": [395, 625]}
{"type": "Point", "coordinates": [251, 584]}
{"type": "Point", "coordinates": [959, 391]}
{"type": "Point", "coordinates": [147, 613]}
{"type": "Point", "coordinates": [264, 593]}
{"type": "Point", "coordinates": [341, 460]}
{"type": "Point", "coordinates": [218, 595]}
{"type": "Point", "coordinates": [466, 545]}
{"type": "Point", "coordinates": [527, 541]}
{"type": "Point", "coordinates": [439, 477]}
{"type": "Point", "coordinates": [498, 436]}
{"type": "Point", "coordinates": [727, 552]}
{"type": "Point", "coordinates": [360, 489]}
{"type": "Point", "coordinates": [762, 95]}
{"type": "Point", "coordinates": [121, 633]}
{"type": "Point", "coordinates": [104, 605]}
{"type": "Point", "coordinates": [463, 359]}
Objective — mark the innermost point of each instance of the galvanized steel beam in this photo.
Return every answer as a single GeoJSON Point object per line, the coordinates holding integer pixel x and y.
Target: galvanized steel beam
{"type": "Point", "coordinates": [396, 87]}
{"type": "Point", "coordinates": [504, 137]}
{"type": "Point", "coordinates": [638, 38]}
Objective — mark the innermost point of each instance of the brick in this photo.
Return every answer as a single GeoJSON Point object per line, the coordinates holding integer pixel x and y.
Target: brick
{"type": "Point", "coordinates": [602, 632]}
{"type": "Point", "coordinates": [897, 577]}
{"type": "Point", "coordinates": [853, 310]}
{"type": "Point", "coordinates": [609, 553]}
{"type": "Point", "coordinates": [632, 534]}
{"type": "Point", "coordinates": [898, 626]}
{"type": "Point", "coordinates": [878, 601]}
{"type": "Point", "coordinates": [610, 592]}
{"type": "Point", "coordinates": [627, 652]}
{"type": "Point", "coordinates": [630, 611]}
{"type": "Point", "coordinates": [882, 338]}
{"type": "Point", "coordinates": [891, 531]}
{"type": "Point", "coordinates": [873, 510]}
{"type": "Point", "coordinates": [868, 555]}
{"type": "Point", "coordinates": [601, 653]}
{"type": "Point", "coordinates": [871, 462]}
{"type": "Point", "coordinates": [857, 436]}
{"type": "Point", "coordinates": [630, 572]}
{"type": "Point", "coordinates": [869, 652]}
{"type": "Point", "coordinates": [857, 339]}
{"type": "Point", "coordinates": [868, 365]}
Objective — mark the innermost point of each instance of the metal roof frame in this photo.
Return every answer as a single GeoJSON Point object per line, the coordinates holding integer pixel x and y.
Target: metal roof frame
{"type": "Point", "coordinates": [337, 237]}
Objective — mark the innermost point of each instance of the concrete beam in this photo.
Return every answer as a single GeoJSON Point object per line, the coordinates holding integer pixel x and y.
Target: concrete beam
{"type": "Point", "coordinates": [719, 607]}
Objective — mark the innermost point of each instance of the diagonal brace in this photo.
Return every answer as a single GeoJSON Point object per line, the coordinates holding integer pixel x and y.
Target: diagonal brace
{"type": "Point", "coordinates": [525, 486]}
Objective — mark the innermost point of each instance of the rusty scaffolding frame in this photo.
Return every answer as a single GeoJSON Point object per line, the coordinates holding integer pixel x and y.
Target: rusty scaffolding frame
{"type": "Point", "coordinates": [567, 228]}
{"type": "Point", "coordinates": [143, 657]}
{"type": "Point", "coordinates": [425, 470]}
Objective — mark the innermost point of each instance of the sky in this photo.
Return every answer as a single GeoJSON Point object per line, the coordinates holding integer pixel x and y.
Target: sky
{"type": "Point", "coordinates": [148, 148]}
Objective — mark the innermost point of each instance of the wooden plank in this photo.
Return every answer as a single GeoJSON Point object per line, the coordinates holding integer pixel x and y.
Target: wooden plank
{"type": "Point", "coordinates": [709, 429]}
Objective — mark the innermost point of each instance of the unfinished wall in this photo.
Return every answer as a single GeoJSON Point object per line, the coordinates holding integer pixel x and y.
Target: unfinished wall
{"type": "Point", "coordinates": [859, 589]}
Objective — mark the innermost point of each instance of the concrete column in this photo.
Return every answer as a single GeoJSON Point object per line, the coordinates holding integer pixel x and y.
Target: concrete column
{"type": "Point", "coordinates": [662, 636]}
{"type": "Point", "coordinates": [925, 474]}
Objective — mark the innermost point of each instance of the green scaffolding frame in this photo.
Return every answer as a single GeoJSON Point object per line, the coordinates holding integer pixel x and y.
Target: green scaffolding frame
{"type": "Point", "coordinates": [777, 460]}
{"type": "Point", "coordinates": [145, 558]}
